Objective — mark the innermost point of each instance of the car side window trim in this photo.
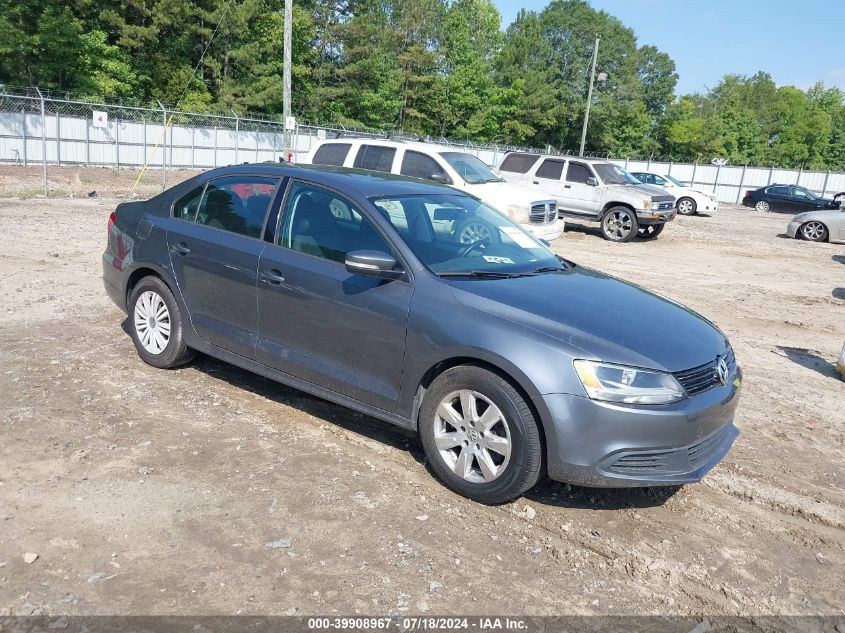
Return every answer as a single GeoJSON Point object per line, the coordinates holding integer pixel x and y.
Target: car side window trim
{"type": "Point", "coordinates": [391, 243]}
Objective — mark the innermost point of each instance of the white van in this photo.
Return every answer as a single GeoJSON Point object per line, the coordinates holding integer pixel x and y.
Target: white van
{"type": "Point", "coordinates": [447, 165]}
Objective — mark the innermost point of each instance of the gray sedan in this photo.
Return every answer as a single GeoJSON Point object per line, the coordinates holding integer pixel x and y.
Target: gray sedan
{"type": "Point", "coordinates": [820, 226]}
{"type": "Point", "coordinates": [507, 361]}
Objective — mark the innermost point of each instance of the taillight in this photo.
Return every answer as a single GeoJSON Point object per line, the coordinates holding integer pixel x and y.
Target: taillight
{"type": "Point", "coordinates": [112, 219]}
{"type": "Point", "coordinates": [748, 194]}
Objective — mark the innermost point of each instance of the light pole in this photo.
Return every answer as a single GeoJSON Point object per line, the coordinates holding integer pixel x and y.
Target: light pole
{"type": "Point", "coordinates": [286, 70]}
{"type": "Point", "coordinates": [590, 95]}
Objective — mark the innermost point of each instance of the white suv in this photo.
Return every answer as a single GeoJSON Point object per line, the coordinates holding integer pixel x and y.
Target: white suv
{"type": "Point", "coordinates": [449, 166]}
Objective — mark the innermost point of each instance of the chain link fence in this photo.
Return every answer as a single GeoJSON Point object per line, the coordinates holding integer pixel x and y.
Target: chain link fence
{"type": "Point", "coordinates": [39, 129]}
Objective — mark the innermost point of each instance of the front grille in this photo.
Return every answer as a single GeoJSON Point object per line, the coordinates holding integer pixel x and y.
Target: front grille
{"type": "Point", "coordinates": [665, 206]}
{"type": "Point", "coordinates": [700, 379]}
{"type": "Point", "coordinates": [543, 212]}
{"type": "Point", "coordinates": [669, 462]}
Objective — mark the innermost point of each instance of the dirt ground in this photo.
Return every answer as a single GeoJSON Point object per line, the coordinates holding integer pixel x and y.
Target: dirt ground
{"type": "Point", "coordinates": [145, 491]}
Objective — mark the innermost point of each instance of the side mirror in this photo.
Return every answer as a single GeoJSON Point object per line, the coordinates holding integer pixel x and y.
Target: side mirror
{"type": "Point", "coordinates": [591, 180]}
{"type": "Point", "coordinates": [441, 178]}
{"type": "Point", "coordinates": [372, 264]}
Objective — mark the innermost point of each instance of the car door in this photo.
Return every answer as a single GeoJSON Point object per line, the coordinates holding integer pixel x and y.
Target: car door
{"type": "Point", "coordinates": [320, 323]}
{"type": "Point", "coordinates": [577, 197]}
{"type": "Point", "coordinates": [779, 199]}
{"type": "Point", "coordinates": [548, 177]}
{"type": "Point", "coordinates": [802, 200]}
{"type": "Point", "coordinates": [214, 242]}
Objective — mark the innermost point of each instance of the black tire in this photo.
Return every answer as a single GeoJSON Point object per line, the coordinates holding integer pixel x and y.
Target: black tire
{"type": "Point", "coordinates": [175, 352]}
{"type": "Point", "coordinates": [523, 466]}
{"type": "Point", "coordinates": [650, 231]}
{"type": "Point", "coordinates": [690, 207]}
{"type": "Point", "coordinates": [616, 221]}
{"type": "Point", "coordinates": [813, 231]}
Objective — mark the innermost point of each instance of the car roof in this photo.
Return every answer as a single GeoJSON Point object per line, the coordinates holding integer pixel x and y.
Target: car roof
{"type": "Point", "coordinates": [397, 143]}
{"type": "Point", "coordinates": [580, 159]}
{"type": "Point", "coordinates": [364, 182]}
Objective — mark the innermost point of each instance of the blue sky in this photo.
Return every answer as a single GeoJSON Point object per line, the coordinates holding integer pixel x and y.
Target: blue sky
{"type": "Point", "coordinates": [797, 42]}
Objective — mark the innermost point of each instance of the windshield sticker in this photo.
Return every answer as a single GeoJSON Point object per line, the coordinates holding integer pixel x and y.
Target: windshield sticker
{"type": "Point", "coordinates": [518, 236]}
{"type": "Point", "coordinates": [497, 260]}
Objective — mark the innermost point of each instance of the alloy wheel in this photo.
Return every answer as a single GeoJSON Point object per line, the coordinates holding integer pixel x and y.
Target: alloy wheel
{"type": "Point", "coordinates": [619, 224]}
{"type": "Point", "coordinates": [762, 205]}
{"type": "Point", "coordinates": [472, 436]}
{"type": "Point", "coordinates": [813, 231]}
{"type": "Point", "coordinates": [152, 322]}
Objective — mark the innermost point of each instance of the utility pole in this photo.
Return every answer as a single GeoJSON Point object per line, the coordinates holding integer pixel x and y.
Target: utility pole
{"type": "Point", "coordinates": [286, 70]}
{"type": "Point", "coordinates": [589, 95]}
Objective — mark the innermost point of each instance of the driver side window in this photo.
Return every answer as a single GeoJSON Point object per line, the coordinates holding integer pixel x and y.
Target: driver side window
{"type": "Point", "coordinates": [324, 224]}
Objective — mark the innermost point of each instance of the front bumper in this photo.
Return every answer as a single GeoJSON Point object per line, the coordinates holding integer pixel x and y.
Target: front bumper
{"type": "Point", "coordinates": [548, 232]}
{"type": "Point", "coordinates": [645, 217]}
{"type": "Point", "coordinates": [792, 228]}
{"type": "Point", "coordinates": [601, 444]}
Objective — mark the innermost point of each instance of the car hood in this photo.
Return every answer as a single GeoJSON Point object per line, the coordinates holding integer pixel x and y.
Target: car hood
{"type": "Point", "coordinates": [656, 193]}
{"type": "Point", "coordinates": [500, 195]}
{"type": "Point", "coordinates": [599, 317]}
{"type": "Point", "coordinates": [821, 215]}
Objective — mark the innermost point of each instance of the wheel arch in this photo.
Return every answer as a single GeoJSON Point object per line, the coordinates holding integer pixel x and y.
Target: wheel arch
{"type": "Point", "coordinates": [608, 206]}
{"type": "Point", "coordinates": [501, 368]}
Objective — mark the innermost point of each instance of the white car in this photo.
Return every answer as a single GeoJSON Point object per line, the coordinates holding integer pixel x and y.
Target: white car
{"type": "Point", "coordinates": [689, 200]}
{"type": "Point", "coordinates": [450, 166]}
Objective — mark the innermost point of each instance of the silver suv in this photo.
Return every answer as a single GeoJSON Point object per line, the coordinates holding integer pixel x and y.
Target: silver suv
{"type": "Point", "coordinates": [594, 190]}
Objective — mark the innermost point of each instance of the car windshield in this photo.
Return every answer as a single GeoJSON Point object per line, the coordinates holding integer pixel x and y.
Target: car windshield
{"type": "Point", "coordinates": [470, 168]}
{"type": "Point", "coordinates": [677, 182]}
{"type": "Point", "coordinates": [614, 175]}
{"type": "Point", "coordinates": [454, 234]}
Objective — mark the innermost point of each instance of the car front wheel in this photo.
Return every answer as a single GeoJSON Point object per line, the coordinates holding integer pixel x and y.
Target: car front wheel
{"type": "Point", "coordinates": [687, 206]}
{"type": "Point", "coordinates": [619, 224]}
{"type": "Point", "coordinates": [814, 231]}
{"type": "Point", "coordinates": [155, 324]}
{"type": "Point", "coordinates": [479, 435]}
{"type": "Point", "coordinates": [763, 206]}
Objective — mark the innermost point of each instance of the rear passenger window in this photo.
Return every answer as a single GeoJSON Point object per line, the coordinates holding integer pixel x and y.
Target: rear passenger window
{"type": "Point", "coordinates": [186, 207]}
{"type": "Point", "coordinates": [331, 154]}
{"type": "Point", "coordinates": [778, 191]}
{"type": "Point", "coordinates": [551, 168]}
{"type": "Point", "coordinates": [419, 165]}
{"type": "Point", "coordinates": [577, 172]}
{"type": "Point", "coordinates": [518, 163]}
{"type": "Point", "coordinates": [237, 204]}
{"type": "Point", "coordinates": [375, 157]}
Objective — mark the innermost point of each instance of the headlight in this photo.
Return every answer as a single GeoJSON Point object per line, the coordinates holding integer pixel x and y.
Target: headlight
{"type": "Point", "coordinates": [519, 213]}
{"type": "Point", "coordinates": [617, 383]}
{"type": "Point", "coordinates": [647, 204]}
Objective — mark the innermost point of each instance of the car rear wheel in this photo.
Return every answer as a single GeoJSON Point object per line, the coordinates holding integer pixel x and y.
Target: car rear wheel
{"type": "Point", "coordinates": [687, 206]}
{"type": "Point", "coordinates": [814, 231]}
{"type": "Point", "coordinates": [619, 224]}
{"type": "Point", "coordinates": [763, 206]}
{"type": "Point", "coordinates": [650, 231]}
{"type": "Point", "coordinates": [479, 435]}
{"type": "Point", "coordinates": [155, 324]}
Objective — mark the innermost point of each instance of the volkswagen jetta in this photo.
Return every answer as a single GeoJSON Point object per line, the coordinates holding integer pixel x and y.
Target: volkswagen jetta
{"type": "Point", "coordinates": [509, 361]}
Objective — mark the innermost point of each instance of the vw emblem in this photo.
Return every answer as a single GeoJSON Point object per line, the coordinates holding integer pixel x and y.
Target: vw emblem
{"type": "Point", "coordinates": [722, 370]}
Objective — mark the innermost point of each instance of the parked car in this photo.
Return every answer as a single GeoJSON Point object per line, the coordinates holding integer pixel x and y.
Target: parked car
{"type": "Point", "coordinates": [507, 360]}
{"type": "Point", "coordinates": [687, 199]}
{"type": "Point", "coordinates": [826, 225]}
{"type": "Point", "coordinates": [536, 214]}
{"type": "Point", "coordinates": [594, 190]}
{"type": "Point", "coordinates": [786, 198]}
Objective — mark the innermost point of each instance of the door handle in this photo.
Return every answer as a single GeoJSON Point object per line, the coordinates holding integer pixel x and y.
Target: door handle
{"type": "Point", "coordinates": [273, 277]}
{"type": "Point", "coordinates": [567, 186]}
{"type": "Point", "coordinates": [536, 182]}
{"type": "Point", "coordinates": [181, 249]}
